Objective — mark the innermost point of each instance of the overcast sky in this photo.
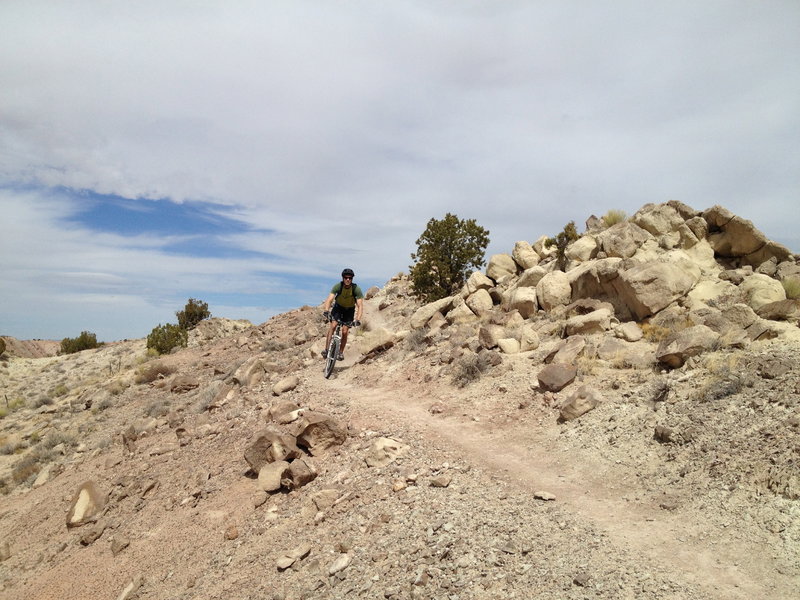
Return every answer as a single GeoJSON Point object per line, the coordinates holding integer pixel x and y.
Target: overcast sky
{"type": "Point", "coordinates": [243, 153]}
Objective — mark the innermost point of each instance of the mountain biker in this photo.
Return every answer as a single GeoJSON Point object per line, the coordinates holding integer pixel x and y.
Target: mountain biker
{"type": "Point", "coordinates": [348, 301]}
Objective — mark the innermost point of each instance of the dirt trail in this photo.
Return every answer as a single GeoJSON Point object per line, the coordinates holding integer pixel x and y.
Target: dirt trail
{"type": "Point", "coordinates": [721, 566]}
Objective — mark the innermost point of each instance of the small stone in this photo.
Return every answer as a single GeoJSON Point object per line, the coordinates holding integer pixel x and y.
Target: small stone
{"type": "Point", "coordinates": [339, 564]}
{"type": "Point", "coordinates": [118, 544]}
{"type": "Point", "coordinates": [581, 579]}
{"type": "Point", "coordinates": [398, 485]}
{"type": "Point", "coordinates": [231, 533]}
{"type": "Point", "coordinates": [259, 498]}
{"type": "Point", "coordinates": [542, 495]}
{"type": "Point", "coordinates": [442, 481]}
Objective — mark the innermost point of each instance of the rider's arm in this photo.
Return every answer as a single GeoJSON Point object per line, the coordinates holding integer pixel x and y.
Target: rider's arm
{"type": "Point", "coordinates": [359, 308]}
{"type": "Point", "coordinates": [328, 301]}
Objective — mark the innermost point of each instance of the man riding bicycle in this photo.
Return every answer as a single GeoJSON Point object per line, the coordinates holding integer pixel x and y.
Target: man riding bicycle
{"type": "Point", "coordinates": [348, 301]}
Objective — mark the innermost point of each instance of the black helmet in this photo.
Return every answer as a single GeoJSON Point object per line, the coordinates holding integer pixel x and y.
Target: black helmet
{"type": "Point", "coordinates": [348, 273]}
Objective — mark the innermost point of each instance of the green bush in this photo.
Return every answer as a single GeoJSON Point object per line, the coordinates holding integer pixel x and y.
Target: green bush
{"type": "Point", "coordinates": [85, 341]}
{"type": "Point", "coordinates": [194, 312]}
{"type": "Point", "coordinates": [447, 251]}
{"type": "Point", "coordinates": [561, 242]}
{"type": "Point", "coordinates": [164, 338]}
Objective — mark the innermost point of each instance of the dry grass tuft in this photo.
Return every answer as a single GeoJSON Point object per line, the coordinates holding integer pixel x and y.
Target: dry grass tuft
{"type": "Point", "coordinates": [150, 372]}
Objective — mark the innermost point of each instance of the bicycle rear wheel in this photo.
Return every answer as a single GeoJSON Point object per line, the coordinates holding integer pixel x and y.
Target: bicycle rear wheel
{"type": "Point", "coordinates": [333, 351]}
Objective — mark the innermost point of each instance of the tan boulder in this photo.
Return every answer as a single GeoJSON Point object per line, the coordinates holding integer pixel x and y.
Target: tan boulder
{"type": "Point", "coordinates": [622, 240]}
{"type": "Point", "coordinates": [761, 289]}
{"type": "Point", "coordinates": [630, 331]}
{"type": "Point", "coordinates": [677, 347]}
{"type": "Point", "coordinates": [509, 345]}
{"type": "Point", "coordinates": [462, 313]}
{"type": "Point", "coordinates": [300, 472]}
{"type": "Point", "coordinates": [554, 290]}
{"type": "Point", "coordinates": [271, 445]}
{"type": "Point", "coordinates": [425, 313]}
{"type": "Point", "coordinates": [567, 351]}
{"type": "Point", "coordinates": [480, 301]}
{"type": "Point", "coordinates": [286, 384]}
{"type": "Point", "coordinates": [782, 310]}
{"type": "Point", "coordinates": [272, 476]}
{"type": "Point", "coordinates": [384, 451]}
{"type": "Point", "coordinates": [523, 300]}
{"type": "Point", "coordinates": [478, 281]}
{"type": "Point", "coordinates": [250, 372]}
{"type": "Point", "coordinates": [582, 249]}
{"type": "Point", "coordinates": [524, 255]}
{"type": "Point", "coordinates": [584, 399]}
{"type": "Point", "coordinates": [318, 432]}
{"type": "Point", "coordinates": [529, 339]}
{"type": "Point", "coordinates": [501, 267]}
{"type": "Point", "coordinates": [377, 340]}
{"type": "Point", "coordinates": [648, 288]}
{"type": "Point", "coordinates": [87, 505]}
{"type": "Point", "coordinates": [596, 321]}
{"type": "Point", "coordinates": [530, 277]}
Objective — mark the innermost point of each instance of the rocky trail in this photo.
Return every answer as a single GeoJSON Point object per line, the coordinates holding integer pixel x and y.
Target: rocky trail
{"type": "Point", "coordinates": [628, 428]}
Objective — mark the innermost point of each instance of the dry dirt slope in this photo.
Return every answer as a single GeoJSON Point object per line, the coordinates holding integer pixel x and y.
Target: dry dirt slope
{"type": "Point", "coordinates": [456, 515]}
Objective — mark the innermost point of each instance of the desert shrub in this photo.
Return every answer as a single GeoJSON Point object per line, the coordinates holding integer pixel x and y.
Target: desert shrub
{"type": "Point", "coordinates": [54, 438]}
{"type": "Point", "coordinates": [194, 312]}
{"type": "Point", "coordinates": [2, 345]}
{"type": "Point", "coordinates": [26, 468]}
{"type": "Point", "coordinates": [151, 372]}
{"type": "Point", "coordinates": [447, 252]}
{"type": "Point", "coordinates": [417, 340]}
{"type": "Point", "coordinates": [116, 387]}
{"type": "Point", "coordinates": [158, 408]}
{"type": "Point", "coordinates": [60, 390]}
{"type": "Point", "coordinates": [12, 447]}
{"type": "Point", "coordinates": [562, 240]}
{"type": "Point", "coordinates": [469, 368]}
{"type": "Point", "coordinates": [85, 341]}
{"type": "Point", "coordinates": [654, 333]}
{"type": "Point", "coordinates": [164, 338]}
{"type": "Point", "coordinates": [614, 216]}
{"type": "Point", "coordinates": [42, 400]}
{"type": "Point", "coordinates": [791, 286]}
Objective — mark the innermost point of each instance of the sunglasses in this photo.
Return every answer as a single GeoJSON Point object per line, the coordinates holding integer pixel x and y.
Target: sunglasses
{"type": "Point", "coordinates": [347, 277]}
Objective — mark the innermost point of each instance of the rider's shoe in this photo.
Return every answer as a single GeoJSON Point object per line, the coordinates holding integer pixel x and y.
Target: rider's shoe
{"type": "Point", "coordinates": [324, 354]}
{"type": "Point", "coordinates": [340, 357]}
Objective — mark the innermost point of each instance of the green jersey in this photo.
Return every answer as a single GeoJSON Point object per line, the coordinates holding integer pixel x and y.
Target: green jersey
{"type": "Point", "coordinates": [346, 297]}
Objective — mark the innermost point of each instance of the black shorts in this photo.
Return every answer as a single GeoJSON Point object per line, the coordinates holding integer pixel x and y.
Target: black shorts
{"type": "Point", "coordinates": [342, 313]}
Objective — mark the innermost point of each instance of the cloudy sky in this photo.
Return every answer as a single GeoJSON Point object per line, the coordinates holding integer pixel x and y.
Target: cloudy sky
{"type": "Point", "coordinates": [242, 153]}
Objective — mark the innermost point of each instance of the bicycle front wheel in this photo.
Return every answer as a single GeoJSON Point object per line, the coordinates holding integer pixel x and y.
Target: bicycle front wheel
{"type": "Point", "coordinates": [333, 351]}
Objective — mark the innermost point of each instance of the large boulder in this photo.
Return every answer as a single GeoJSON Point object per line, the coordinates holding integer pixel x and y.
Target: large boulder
{"type": "Point", "coordinates": [530, 277]}
{"type": "Point", "coordinates": [478, 281]}
{"type": "Point", "coordinates": [782, 310]}
{"type": "Point", "coordinates": [662, 221]}
{"type": "Point", "coordinates": [677, 347]}
{"type": "Point", "coordinates": [529, 338]}
{"type": "Point", "coordinates": [250, 372]}
{"type": "Point", "coordinates": [87, 505]}
{"type": "Point", "coordinates": [582, 249]}
{"type": "Point", "coordinates": [567, 351]}
{"type": "Point", "coordinates": [285, 384]}
{"type": "Point", "coordinates": [732, 236]}
{"type": "Point", "coordinates": [554, 290]}
{"type": "Point", "coordinates": [462, 313]}
{"type": "Point", "coordinates": [597, 321]}
{"type": "Point", "coordinates": [376, 340]}
{"type": "Point", "coordinates": [555, 377]}
{"type": "Point", "coordinates": [272, 476]}
{"type": "Point", "coordinates": [271, 445]}
{"type": "Point", "coordinates": [622, 240]}
{"type": "Point", "coordinates": [424, 313]}
{"type": "Point", "coordinates": [761, 289]}
{"type": "Point", "coordinates": [480, 301]}
{"type": "Point", "coordinates": [650, 287]}
{"type": "Point", "coordinates": [522, 299]}
{"type": "Point", "coordinates": [318, 432]}
{"type": "Point", "coordinates": [501, 267]}
{"type": "Point", "coordinates": [524, 255]}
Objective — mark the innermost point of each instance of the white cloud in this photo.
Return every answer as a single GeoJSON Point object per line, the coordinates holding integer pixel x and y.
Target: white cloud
{"type": "Point", "coordinates": [344, 127]}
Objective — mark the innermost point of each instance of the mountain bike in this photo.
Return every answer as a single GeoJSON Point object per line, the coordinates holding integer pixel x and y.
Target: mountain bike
{"type": "Point", "coordinates": [336, 343]}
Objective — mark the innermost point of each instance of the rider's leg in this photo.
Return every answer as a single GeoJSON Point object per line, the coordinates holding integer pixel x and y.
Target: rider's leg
{"type": "Point", "coordinates": [331, 327]}
{"type": "Point", "coordinates": [344, 338]}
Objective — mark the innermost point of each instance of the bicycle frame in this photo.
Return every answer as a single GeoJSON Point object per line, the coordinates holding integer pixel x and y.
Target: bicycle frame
{"type": "Point", "coordinates": [335, 344]}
